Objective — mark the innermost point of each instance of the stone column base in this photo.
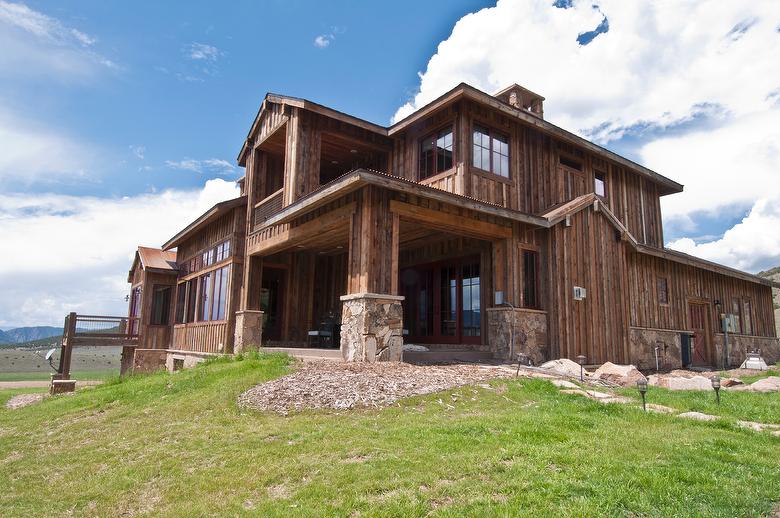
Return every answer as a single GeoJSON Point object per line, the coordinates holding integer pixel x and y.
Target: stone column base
{"type": "Point", "coordinates": [249, 331]}
{"type": "Point", "coordinates": [371, 328]}
{"type": "Point", "coordinates": [530, 333]}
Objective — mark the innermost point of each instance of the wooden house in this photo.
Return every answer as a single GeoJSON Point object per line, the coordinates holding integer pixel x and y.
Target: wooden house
{"type": "Point", "coordinates": [474, 224]}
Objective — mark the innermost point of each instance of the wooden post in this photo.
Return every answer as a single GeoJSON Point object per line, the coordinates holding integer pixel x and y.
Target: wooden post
{"type": "Point", "coordinates": [67, 346]}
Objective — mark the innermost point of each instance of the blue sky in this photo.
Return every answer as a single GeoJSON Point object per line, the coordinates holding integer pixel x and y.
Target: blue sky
{"type": "Point", "coordinates": [188, 81]}
{"type": "Point", "coordinates": [120, 122]}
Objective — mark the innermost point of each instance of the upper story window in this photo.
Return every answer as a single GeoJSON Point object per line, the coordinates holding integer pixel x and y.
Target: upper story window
{"type": "Point", "coordinates": [600, 184]}
{"type": "Point", "coordinates": [663, 289]}
{"type": "Point", "coordinates": [436, 153]}
{"type": "Point", "coordinates": [490, 151]}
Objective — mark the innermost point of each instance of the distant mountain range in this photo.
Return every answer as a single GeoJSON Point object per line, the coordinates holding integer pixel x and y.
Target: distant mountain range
{"type": "Point", "coordinates": [27, 334]}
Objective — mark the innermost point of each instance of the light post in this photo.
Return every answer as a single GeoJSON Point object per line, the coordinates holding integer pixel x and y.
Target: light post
{"type": "Point", "coordinates": [641, 384]}
{"type": "Point", "coordinates": [716, 386]}
{"type": "Point", "coordinates": [581, 360]}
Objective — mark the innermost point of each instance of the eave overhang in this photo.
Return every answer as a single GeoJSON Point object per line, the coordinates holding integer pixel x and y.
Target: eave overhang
{"type": "Point", "coordinates": [204, 219]}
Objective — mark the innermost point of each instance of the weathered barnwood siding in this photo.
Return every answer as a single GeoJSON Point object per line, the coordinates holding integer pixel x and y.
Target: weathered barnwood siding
{"type": "Point", "coordinates": [685, 283]}
{"type": "Point", "coordinates": [590, 255]}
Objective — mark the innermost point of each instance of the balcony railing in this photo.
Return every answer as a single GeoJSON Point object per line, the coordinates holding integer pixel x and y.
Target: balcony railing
{"type": "Point", "coordinates": [267, 207]}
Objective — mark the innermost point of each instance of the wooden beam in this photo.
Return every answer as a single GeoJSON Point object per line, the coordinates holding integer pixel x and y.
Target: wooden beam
{"type": "Point", "coordinates": [450, 222]}
{"type": "Point", "coordinates": [297, 234]}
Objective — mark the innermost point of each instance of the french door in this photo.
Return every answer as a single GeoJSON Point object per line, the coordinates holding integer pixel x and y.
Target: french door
{"type": "Point", "coordinates": [442, 303]}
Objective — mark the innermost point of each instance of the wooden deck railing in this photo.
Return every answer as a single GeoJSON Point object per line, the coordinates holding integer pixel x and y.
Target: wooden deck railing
{"type": "Point", "coordinates": [94, 330]}
{"type": "Point", "coordinates": [205, 337]}
{"type": "Point", "coordinates": [267, 207]}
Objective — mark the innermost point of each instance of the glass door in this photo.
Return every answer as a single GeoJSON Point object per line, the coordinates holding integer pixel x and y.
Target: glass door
{"type": "Point", "coordinates": [442, 302]}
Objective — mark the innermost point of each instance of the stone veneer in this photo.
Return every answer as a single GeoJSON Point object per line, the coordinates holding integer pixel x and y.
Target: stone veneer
{"type": "Point", "coordinates": [249, 330]}
{"type": "Point", "coordinates": [739, 345]}
{"type": "Point", "coordinates": [642, 344]}
{"type": "Point", "coordinates": [530, 333]}
{"type": "Point", "coordinates": [149, 360]}
{"type": "Point", "coordinates": [371, 327]}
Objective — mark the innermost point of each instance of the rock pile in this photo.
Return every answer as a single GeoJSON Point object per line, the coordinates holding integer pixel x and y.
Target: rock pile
{"type": "Point", "coordinates": [341, 386]}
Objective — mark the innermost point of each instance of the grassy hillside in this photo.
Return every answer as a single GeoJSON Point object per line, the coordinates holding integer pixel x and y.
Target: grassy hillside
{"type": "Point", "coordinates": [27, 334]}
{"type": "Point", "coordinates": [177, 445]}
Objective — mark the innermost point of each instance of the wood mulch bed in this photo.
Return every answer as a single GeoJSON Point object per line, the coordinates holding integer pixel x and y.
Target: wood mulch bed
{"type": "Point", "coordinates": [341, 386]}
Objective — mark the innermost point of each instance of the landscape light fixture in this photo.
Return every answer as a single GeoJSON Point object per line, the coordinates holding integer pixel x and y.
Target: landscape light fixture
{"type": "Point", "coordinates": [641, 384]}
{"type": "Point", "coordinates": [716, 386]}
{"type": "Point", "coordinates": [581, 360]}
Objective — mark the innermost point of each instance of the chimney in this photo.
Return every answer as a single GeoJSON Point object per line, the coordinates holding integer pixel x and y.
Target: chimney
{"type": "Point", "coordinates": [523, 99]}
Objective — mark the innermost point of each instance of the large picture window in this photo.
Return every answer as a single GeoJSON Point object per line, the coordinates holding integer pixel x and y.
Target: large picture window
{"type": "Point", "coordinates": [220, 293]}
{"type": "Point", "coordinates": [436, 153]}
{"type": "Point", "coordinates": [161, 305]}
{"type": "Point", "coordinates": [490, 151]}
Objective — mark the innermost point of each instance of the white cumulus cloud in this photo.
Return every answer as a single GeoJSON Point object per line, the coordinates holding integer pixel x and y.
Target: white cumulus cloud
{"type": "Point", "coordinates": [695, 87]}
{"type": "Point", "coordinates": [71, 253]}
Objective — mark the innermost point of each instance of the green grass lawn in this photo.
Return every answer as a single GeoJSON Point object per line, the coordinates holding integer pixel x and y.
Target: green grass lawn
{"type": "Point", "coordinates": [177, 445]}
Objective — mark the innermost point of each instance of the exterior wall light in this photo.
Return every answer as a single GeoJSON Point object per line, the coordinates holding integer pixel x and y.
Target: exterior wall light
{"type": "Point", "coordinates": [716, 386]}
{"type": "Point", "coordinates": [641, 384]}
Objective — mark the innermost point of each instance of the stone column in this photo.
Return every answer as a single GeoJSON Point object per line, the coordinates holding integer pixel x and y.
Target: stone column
{"type": "Point", "coordinates": [530, 333]}
{"type": "Point", "coordinates": [249, 330]}
{"type": "Point", "coordinates": [371, 327]}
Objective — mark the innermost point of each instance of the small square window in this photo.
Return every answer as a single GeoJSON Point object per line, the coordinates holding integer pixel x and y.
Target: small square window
{"type": "Point", "coordinates": [600, 184]}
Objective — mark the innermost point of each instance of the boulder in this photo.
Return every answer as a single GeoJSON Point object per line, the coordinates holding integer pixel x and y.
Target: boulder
{"type": "Point", "coordinates": [693, 383]}
{"type": "Point", "coordinates": [564, 366]}
{"type": "Point", "coordinates": [564, 384]}
{"type": "Point", "coordinates": [623, 375]}
{"type": "Point", "coordinates": [698, 416]}
{"type": "Point", "coordinates": [660, 409]}
{"type": "Point", "coordinates": [770, 384]}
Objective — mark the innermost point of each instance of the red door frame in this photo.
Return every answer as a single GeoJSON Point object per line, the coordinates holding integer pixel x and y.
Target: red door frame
{"type": "Point", "coordinates": [702, 343]}
{"type": "Point", "coordinates": [436, 270]}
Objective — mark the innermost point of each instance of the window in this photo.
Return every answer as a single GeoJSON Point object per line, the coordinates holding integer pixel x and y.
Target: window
{"type": "Point", "coordinates": [471, 308]}
{"type": "Point", "coordinates": [161, 305]}
{"type": "Point", "coordinates": [436, 154]}
{"type": "Point", "coordinates": [490, 151]}
{"type": "Point", "coordinates": [735, 316]}
{"type": "Point", "coordinates": [220, 293]}
{"type": "Point", "coordinates": [530, 279]}
{"type": "Point", "coordinates": [663, 290]}
{"type": "Point", "coordinates": [570, 162]}
{"type": "Point", "coordinates": [204, 296]}
{"type": "Point", "coordinates": [181, 302]}
{"type": "Point", "coordinates": [192, 300]}
{"type": "Point", "coordinates": [747, 318]}
{"type": "Point", "coordinates": [600, 184]}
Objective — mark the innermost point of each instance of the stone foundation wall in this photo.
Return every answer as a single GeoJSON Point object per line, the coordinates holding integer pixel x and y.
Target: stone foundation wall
{"type": "Point", "coordinates": [371, 327]}
{"type": "Point", "coordinates": [186, 359]}
{"type": "Point", "coordinates": [642, 344]}
{"type": "Point", "coordinates": [739, 345]}
{"type": "Point", "coordinates": [530, 333]}
{"type": "Point", "coordinates": [249, 331]}
{"type": "Point", "coordinates": [149, 360]}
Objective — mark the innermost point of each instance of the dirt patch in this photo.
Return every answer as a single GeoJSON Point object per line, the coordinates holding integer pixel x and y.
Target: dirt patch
{"type": "Point", "coordinates": [341, 386]}
{"type": "Point", "coordinates": [23, 400]}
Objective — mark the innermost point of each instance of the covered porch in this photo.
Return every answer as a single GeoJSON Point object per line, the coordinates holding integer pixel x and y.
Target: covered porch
{"type": "Point", "coordinates": [374, 268]}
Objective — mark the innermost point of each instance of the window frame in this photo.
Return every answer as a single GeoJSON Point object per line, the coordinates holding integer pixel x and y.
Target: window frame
{"type": "Point", "coordinates": [434, 136]}
{"type": "Point", "coordinates": [537, 302]}
{"type": "Point", "coordinates": [658, 281]}
{"type": "Point", "coordinates": [747, 317]}
{"type": "Point", "coordinates": [603, 175]}
{"type": "Point", "coordinates": [491, 134]}
{"type": "Point", "coordinates": [165, 315]}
